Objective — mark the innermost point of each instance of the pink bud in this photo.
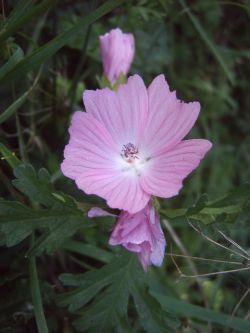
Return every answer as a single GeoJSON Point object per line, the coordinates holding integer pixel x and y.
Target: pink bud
{"type": "Point", "coordinates": [117, 51]}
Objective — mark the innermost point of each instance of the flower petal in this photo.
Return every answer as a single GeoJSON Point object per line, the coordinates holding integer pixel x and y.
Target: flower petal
{"type": "Point", "coordinates": [98, 212]}
{"type": "Point", "coordinates": [141, 233]}
{"type": "Point", "coordinates": [165, 173]}
{"type": "Point", "coordinates": [91, 160]}
{"type": "Point", "coordinates": [169, 119]}
{"type": "Point", "coordinates": [123, 112]}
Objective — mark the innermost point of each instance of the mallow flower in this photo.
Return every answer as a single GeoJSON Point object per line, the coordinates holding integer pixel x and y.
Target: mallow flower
{"type": "Point", "coordinates": [117, 52]}
{"type": "Point", "coordinates": [128, 145]}
{"type": "Point", "coordinates": [140, 233]}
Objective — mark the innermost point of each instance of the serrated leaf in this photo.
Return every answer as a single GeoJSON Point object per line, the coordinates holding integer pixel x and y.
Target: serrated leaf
{"type": "Point", "coordinates": [36, 186]}
{"type": "Point", "coordinates": [152, 318]}
{"type": "Point", "coordinates": [59, 219]}
{"type": "Point", "coordinates": [102, 296]}
{"type": "Point", "coordinates": [96, 279]}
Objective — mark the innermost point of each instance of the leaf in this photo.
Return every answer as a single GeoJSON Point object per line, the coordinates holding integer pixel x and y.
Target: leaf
{"type": "Point", "coordinates": [152, 318]}
{"type": "Point", "coordinates": [12, 109]}
{"type": "Point", "coordinates": [36, 186]}
{"type": "Point", "coordinates": [17, 221]}
{"type": "Point", "coordinates": [188, 310]}
{"type": "Point", "coordinates": [91, 282]}
{"type": "Point", "coordinates": [22, 13]}
{"type": "Point", "coordinates": [59, 219]}
{"type": "Point", "coordinates": [88, 250]}
{"type": "Point", "coordinates": [224, 210]}
{"type": "Point", "coordinates": [13, 60]}
{"type": "Point", "coordinates": [200, 204]}
{"type": "Point", "coordinates": [42, 54]}
{"type": "Point", "coordinates": [102, 296]}
{"type": "Point", "coordinates": [9, 156]}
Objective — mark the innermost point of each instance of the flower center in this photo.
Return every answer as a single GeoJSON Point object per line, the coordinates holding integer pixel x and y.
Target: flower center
{"type": "Point", "coordinates": [129, 152]}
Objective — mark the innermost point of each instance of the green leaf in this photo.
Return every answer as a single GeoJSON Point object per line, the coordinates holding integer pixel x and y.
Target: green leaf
{"type": "Point", "coordinates": [102, 297]}
{"type": "Point", "coordinates": [12, 109]}
{"type": "Point", "coordinates": [223, 210]}
{"type": "Point", "coordinates": [17, 221]}
{"type": "Point", "coordinates": [36, 186]}
{"type": "Point", "coordinates": [13, 60]}
{"type": "Point", "coordinates": [59, 219]}
{"type": "Point", "coordinates": [200, 204]}
{"type": "Point", "coordinates": [22, 13]}
{"type": "Point", "coordinates": [60, 222]}
{"type": "Point", "coordinates": [197, 312]}
{"type": "Point", "coordinates": [91, 282]}
{"type": "Point", "coordinates": [152, 318]}
{"type": "Point", "coordinates": [88, 250]}
{"type": "Point", "coordinates": [39, 56]}
{"type": "Point", "coordinates": [9, 156]}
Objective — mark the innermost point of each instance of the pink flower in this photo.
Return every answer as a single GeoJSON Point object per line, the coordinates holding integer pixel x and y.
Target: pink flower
{"type": "Point", "coordinates": [129, 144]}
{"type": "Point", "coordinates": [117, 50]}
{"type": "Point", "coordinates": [140, 233]}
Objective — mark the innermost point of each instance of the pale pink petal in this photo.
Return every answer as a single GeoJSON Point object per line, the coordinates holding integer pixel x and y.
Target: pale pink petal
{"type": "Point", "coordinates": [169, 119]}
{"type": "Point", "coordinates": [120, 192]}
{"type": "Point", "coordinates": [144, 255]}
{"type": "Point", "coordinates": [98, 212]}
{"type": "Point", "coordinates": [141, 233]}
{"type": "Point", "coordinates": [165, 173]}
{"type": "Point", "coordinates": [117, 51]}
{"type": "Point", "coordinates": [90, 159]}
{"type": "Point", "coordinates": [90, 147]}
{"type": "Point", "coordinates": [123, 112]}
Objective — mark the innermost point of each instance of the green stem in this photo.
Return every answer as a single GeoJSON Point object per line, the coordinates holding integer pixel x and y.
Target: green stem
{"type": "Point", "coordinates": [36, 294]}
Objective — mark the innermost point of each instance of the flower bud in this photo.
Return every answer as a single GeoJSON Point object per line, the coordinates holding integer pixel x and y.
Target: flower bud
{"type": "Point", "coordinates": [117, 51]}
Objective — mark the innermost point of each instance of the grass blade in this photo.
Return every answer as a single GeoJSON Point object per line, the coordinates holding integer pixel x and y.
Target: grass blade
{"type": "Point", "coordinates": [206, 39]}
{"type": "Point", "coordinates": [14, 59]}
{"type": "Point", "coordinates": [12, 109]}
{"type": "Point", "coordinates": [22, 15]}
{"type": "Point", "coordinates": [194, 311]}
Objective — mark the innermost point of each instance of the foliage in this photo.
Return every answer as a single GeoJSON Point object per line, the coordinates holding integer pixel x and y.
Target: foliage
{"type": "Point", "coordinates": [58, 273]}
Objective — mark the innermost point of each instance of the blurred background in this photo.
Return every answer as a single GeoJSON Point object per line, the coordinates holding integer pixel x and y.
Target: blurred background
{"type": "Point", "coordinates": [203, 48]}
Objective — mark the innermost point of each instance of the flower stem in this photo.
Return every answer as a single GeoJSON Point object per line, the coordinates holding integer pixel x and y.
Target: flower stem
{"type": "Point", "coordinates": [36, 294]}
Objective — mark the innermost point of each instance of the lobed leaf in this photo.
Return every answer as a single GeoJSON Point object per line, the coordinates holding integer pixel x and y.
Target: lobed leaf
{"type": "Point", "coordinates": [59, 218]}
{"type": "Point", "coordinates": [101, 299]}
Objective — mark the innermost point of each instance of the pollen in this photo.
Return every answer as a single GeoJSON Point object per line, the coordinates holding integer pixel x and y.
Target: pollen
{"type": "Point", "coordinates": [129, 152]}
